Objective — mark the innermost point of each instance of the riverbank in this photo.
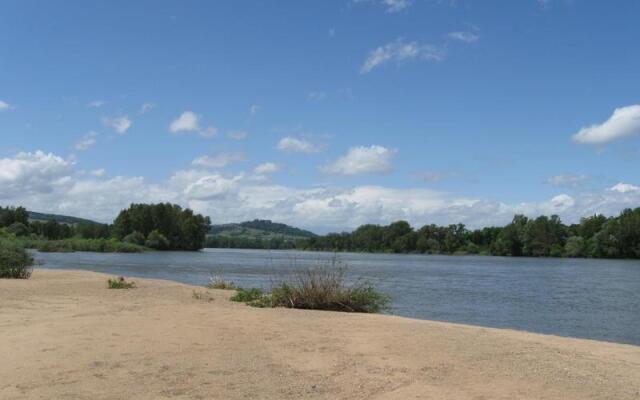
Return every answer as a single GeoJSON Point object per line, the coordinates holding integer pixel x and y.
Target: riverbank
{"type": "Point", "coordinates": [65, 335]}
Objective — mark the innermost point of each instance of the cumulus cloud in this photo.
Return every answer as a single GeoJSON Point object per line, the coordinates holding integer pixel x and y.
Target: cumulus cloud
{"type": "Point", "coordinates": [87, 141]}
{"type": "Point", "coordinates": [119, 124]}
{"type": "Point", "coordinates": [267, 168]}
{"type": "Point", "coordinates": [32, 173]}
{"type": "Point", "coordinates": [188, 122]}
{"type": "Point", "coordinates": [362, 160]}
{"type": "Point", "coordinates": [218, 160]}
{"type": "Point", "coordinates": [4, 106]}
{"type": "Point", "coordinates": [625, 188]}
{"type": "Point", "coordinates": [47, 182]}
{"type": "Point", "coordinates": [466, 37]}
{"type": "Point", "coordinates": [624, 122]}
{"type": "Point", "coordinates": [292, 144]}
{"type": "Point", "coordinates": [567, 180]}
{"type": "Point", "coordinates": [400, 51]}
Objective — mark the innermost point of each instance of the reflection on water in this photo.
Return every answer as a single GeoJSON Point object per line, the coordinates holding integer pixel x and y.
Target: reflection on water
{"type": "Point", "coordinates": [597, 299]}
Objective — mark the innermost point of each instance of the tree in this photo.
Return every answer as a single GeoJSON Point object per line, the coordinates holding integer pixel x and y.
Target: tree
{"type": "Point", "coordinates": [157, 240]}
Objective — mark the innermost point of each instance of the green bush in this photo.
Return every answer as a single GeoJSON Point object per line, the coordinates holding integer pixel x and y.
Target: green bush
{"type": "Point", "coordinates": [76, 244]}
{"type": "Point", "coordinates": [247, 295]}
{"type": "Point", "coordinates": [15, 262]}
{"type": "Point", "coordinates": [134, 238]}
{"type": "Point", "coordinates": [156, 240]}
{"type": "Point", "coordinates": [120, 283]}
{"type": "Point", "coordinates": [18, 229]}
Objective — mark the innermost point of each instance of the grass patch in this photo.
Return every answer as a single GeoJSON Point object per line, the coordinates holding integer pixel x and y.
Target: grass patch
{"type": "Point", "coordinates": [247, 295]}
{"type": "Point", "coordinates": [319, 288]}
{"type": "Point", "coordinates": [120, 283]}
{"type": "Point", "coordinates": [217, 282]}
{"type": "Point", "coordinates": [15, 261]}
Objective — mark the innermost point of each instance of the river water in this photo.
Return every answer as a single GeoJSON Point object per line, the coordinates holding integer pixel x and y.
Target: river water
{"type": "Point", "coordinates": [594, 299]}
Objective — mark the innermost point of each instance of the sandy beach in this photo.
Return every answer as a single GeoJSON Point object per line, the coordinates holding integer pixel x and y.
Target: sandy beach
{"type": "Point", "coordinates": [64, 335]}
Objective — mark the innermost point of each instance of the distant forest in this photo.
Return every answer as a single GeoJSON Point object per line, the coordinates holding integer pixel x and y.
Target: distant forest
{"type": "Point", "coordinates": [169, 227]}
{"type": "Point", "coordinates": [161, 226]}
{"type": "Point", "coordinates": [596, 236]}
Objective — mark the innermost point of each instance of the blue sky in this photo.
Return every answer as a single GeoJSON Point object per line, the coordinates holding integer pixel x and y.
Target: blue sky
{"type": "Point", "coordinates": [323, 114]}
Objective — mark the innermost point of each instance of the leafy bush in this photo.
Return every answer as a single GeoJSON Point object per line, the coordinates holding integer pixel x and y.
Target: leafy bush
{"type": "Point", "coordinates": [247, 295]}
{"type": "Point", "coordinates": [157, 241]}
{"type": "Point", "coordinates": [15, 262]}
{"type": "Point", "coordinates": [18, 229]}
{"type": "Point", "coordinates": [120, 283]}
{"type": "Point", "coordinates": [134, 238]}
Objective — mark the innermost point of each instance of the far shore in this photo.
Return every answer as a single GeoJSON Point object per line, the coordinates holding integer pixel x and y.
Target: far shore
{"type": "Point", "coordinates": [65, 335]}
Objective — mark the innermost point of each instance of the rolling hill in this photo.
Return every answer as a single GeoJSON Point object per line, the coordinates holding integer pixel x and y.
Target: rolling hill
{"type": "Point", "coordinates": [63, 219]}
{"type": "Point", "coordinates": [260, 230]}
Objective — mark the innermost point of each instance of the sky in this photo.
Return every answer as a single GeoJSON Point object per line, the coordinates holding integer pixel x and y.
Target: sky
{"type": "Point", "coordinates": [322, 114]}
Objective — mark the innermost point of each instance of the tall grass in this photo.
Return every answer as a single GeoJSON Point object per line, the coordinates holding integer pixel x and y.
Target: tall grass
{"type": "Point", "coordinates": [323, 287]}
{"type": "Point", "coordinates": [76, 244]}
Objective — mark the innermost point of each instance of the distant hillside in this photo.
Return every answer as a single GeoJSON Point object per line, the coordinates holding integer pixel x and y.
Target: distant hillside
{"type": "Point", "coordinates": [260, 229]}
{"type": "Point", "coordinates": [63, 219]}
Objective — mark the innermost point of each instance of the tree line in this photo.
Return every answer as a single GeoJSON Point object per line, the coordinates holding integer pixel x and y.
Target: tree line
{"type": "Point", "coordinates": [596, 236]}
{"type": "Point", "coordinates": [161, 226]}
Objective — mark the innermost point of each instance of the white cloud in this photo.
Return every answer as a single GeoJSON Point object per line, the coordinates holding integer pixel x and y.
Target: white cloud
{"type": "Point", "coordinates": [467, 37]}
{"type": "Point", "coordinates": [98, 172]}
{"type": "Point", "coordinates": [267, 168]}
{"type": "Point", "coordinates": [47, 182]}
{"type": "Point", "coordinates": [120, 124]}
{"type": "Point", "coordinates": [567, 180]}
{"type": "Point", "coordinates": [399, 52]}
{"type": "Point", "coordinates": [237, 135]}
{"type": "Point", "coordinates": [189, 121]}
{"type": "Point", "coordinates": [218, 161]}
{"type": "Point", "coordinates": [392, 6]}
{"type": "Point", "coordinates": [30, 173]}
{"type": "Point", "coordinates": [625, 188]}
{"type": "Point", "coordinates": [146, 107]}
{"type": "Point", "coordinates": [87, 141]}
{"type": "Point", "coordinates": [624, 122]}
{"type": "Point", "coordinates": [292, 144]}
{"type": "Point", "coordinates": [4, 106]}
{"type": "Point", "coordinates": [362, 160]}
{"type": "Point", "coordinates": [96, 103]}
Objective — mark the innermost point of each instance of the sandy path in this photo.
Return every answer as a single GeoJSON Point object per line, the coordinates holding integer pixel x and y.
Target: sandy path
{"type": "Point", "coordinates": [63, 335]}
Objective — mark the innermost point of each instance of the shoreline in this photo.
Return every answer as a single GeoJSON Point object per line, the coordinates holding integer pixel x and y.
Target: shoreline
{"type": "Point", "coordinates": [70, 336]}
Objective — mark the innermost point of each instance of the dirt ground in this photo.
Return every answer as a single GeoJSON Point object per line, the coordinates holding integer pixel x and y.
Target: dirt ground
{"type": "Point", "coordinates": [64, 335]}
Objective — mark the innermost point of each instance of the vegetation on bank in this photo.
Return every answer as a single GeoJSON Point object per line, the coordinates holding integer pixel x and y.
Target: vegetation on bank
{"type": "Point", "coordinates": [597, 237]}
{"type": "Point", "coordinates": [15, 262]}
{"type": "Point", "coordinates": [120, 283]}
{"type": "Point", "coordinates": [320, 288]}
{"type": "Point", "coordinates": [140, 227]}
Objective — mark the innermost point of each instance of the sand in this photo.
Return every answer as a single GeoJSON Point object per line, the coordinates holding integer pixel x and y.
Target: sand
{"type": "Point", "coordinates": [64, 335]}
